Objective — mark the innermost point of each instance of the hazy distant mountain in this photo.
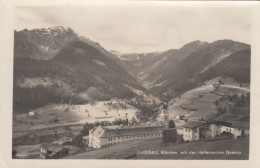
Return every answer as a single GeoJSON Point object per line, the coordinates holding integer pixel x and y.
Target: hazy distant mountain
{"type": "Point", "coordinates": [184, 75]}
{"type": "Point", "coordinates": [175, 71]}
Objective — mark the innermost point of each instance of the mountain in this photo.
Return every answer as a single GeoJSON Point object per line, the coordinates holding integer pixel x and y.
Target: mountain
{"type": "Point", "coordinates": [45, 43]}
{"type": "Point", "coordinates": [178, 70]}
{"type": "Point", "coordinates": [70, 69]}
{"type": "Point", "coordinates": [56, 65]}
{"type": "Point", "coordinates": [151, 66]}
{"type": "Point", "coordinates": [42, 44]}
{"type": "Point", "coordinates": [189, 73]}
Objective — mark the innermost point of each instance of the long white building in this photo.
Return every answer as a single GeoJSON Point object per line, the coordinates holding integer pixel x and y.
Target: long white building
{"type": "Point", "coordinates": [102, 136]}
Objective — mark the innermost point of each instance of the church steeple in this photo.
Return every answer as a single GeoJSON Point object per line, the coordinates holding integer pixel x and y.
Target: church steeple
{"type": "Point", "coordinates": [164, 116]}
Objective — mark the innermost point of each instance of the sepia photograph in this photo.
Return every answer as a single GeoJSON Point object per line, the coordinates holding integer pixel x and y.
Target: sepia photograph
{"type": "Point", "coordinates": [131, 81]}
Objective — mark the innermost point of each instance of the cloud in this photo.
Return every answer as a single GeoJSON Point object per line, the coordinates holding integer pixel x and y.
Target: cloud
{"type": "Point", "coordinates": [142, 27]}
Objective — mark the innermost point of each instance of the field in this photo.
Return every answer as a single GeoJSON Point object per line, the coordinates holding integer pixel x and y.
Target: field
{"type": "Point", "coordinates": [53, 121]}
{"type": "Point", "coordinates": [65, 115]}
{"type": "Point", "coordinates": [200, 102]}
{"type": "Point", "coordinates": [135, 149]}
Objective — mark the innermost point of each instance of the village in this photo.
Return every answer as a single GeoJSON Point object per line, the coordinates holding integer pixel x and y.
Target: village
{"type": "Point", "coordinates": [169, 131]}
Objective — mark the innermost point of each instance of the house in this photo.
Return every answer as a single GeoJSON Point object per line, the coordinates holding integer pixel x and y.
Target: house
{"type": "Point", "coordinates": [183, 120]}
{"type": "Point", "coordinates": [191, 130]}
{"type": "Point", "coordinates": [63, 141]}
{"type": "Point", "coordinates": [102, 136]}
{"type": "Point", "coordinates": [53, 151]}
{"type": "Point", "coordinates": [31, 114]}
{"type": "Point", "coordinates": [238, 125]}
{"type": "Point", "coordinates": [179, 117]}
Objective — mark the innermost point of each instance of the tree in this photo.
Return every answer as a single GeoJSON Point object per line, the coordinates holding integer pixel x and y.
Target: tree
{"type": "Point", "coordinates": [77, 140]}
{"type": "Point", "coordinates": [171, 124]}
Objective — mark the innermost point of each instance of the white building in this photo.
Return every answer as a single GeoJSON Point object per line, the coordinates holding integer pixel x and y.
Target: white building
{"type": "Point", "coordinates": [30, 114]}
{"type": "Point", "coordinates": [109, 135]}
{"type": "Point", "coordinates": [102, 136]}
{"type": "Point", "coordinates": [238, 125]}
{"type": "Point", "coordinates": [191, 130]}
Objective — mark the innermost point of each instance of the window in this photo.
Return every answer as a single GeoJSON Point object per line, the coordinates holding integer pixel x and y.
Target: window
{"type": "Point", "coordinates": [227, 129]}
{"type": "Point", "coordinates": [195, 131]}
{"type": "Point", "coordinates": [186, 130]}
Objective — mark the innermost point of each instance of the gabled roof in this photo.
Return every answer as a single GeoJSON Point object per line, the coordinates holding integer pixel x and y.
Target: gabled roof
{"type": "Point", "coordinates": [233, 120]}
{"type": "Point", "coordinates": [98, 131]}
{"type": "Point", "coordinates": [227, 117]}
{"type": "Point", "coordinates": [54, 148]}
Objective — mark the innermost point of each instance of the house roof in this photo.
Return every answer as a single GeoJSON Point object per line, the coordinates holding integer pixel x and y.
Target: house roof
{"type": "Point", "coordinates": [63, 140]}
{"type": "Point", "coordinates": [193, 124]}
{"type": "Point", "coordinates": [105, 132]}
{"type": "Point", "coordinates": [244, 125]}
{"type": "Point", "coordinates": [54, 148]}
{"type": "Point", "coordinates": [227, 117]}
{"type": "Point", "coordinates": [238, 121]}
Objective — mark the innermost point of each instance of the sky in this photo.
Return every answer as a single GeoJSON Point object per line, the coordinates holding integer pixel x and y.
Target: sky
{"type": "Point", "coordinates": [142, 27]}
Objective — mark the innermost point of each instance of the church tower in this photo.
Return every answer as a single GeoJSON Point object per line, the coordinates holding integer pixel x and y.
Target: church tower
{"type": "Point", "coordinates": [164, 116]}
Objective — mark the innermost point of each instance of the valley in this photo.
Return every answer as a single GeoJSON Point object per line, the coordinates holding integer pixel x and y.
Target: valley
{"type": "Point", "coordinates": [65, 84]}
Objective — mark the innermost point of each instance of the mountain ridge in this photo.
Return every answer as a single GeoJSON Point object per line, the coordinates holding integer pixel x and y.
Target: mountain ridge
{"type": "Point", "coordinates": [85, 68]}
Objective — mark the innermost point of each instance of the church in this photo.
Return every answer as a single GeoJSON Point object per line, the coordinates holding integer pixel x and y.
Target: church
{"type": "Point", "coordinates": [102, 136]}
